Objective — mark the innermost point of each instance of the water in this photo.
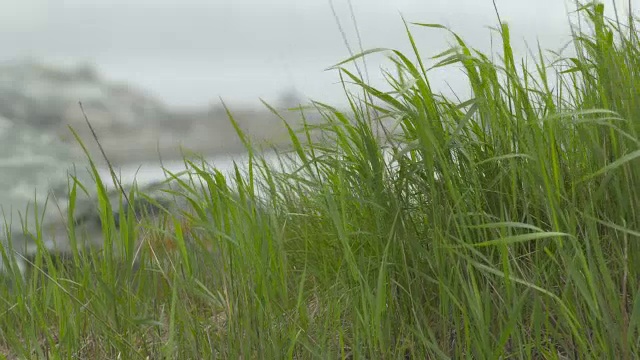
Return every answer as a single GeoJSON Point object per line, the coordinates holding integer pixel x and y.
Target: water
{"type": "Point", "coordinates": [152, 171]}
{"type": "Point", "coordinates": [31, 162]}
{"type": "Point", "coordinates": [34, 165]}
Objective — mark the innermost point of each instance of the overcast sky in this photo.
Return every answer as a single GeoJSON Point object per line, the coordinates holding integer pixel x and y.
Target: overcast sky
{"type": "Point", "coordinates": [191, 52]}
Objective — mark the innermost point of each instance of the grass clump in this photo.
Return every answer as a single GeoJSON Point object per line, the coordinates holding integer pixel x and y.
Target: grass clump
{"type": "Point", "coordinates": [504, 225]}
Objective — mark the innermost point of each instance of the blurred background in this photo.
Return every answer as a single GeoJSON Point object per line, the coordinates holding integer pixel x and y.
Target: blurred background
{"type": "Point", "coordinates": [151, 73]}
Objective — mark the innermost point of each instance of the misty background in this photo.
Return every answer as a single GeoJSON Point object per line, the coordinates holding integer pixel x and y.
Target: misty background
{"type": "Point", "coordinates": [189, 53]}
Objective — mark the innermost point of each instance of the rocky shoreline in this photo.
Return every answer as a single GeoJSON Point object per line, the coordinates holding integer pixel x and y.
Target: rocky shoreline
{"type": "Point", "coordinates": [20, 246]}
{"type": "Point", "coordinates": [39, 104]}
{"type": "Point", "coordinates": [131, 124]}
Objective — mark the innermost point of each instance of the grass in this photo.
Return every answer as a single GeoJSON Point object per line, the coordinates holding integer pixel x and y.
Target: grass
{"type": "Point", "coordinates": [504, 225]}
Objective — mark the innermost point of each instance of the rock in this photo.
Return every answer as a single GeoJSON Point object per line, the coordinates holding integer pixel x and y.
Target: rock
{"type": "Point", "coordinates": [131, 124]}
{"type": "Point", "coordinates": [20, 246]}
{"type": "Point", "coordinates": [47, 97]}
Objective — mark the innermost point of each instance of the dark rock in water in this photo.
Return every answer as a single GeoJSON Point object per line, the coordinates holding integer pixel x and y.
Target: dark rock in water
{"type": "Point", "coordinates": [143, 208]}
{"type": "Point", "coordinates": [21, 246]}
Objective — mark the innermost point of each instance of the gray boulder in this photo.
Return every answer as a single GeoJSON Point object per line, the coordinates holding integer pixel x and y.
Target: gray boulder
{"type": "Point", "coordinates": [19, 245]}
{"type": "Point", "coordinates": [47, 97]}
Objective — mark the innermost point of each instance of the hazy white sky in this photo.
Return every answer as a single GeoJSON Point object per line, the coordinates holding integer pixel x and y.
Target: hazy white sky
{"type": "Point", "coordinates": [191, 52]}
